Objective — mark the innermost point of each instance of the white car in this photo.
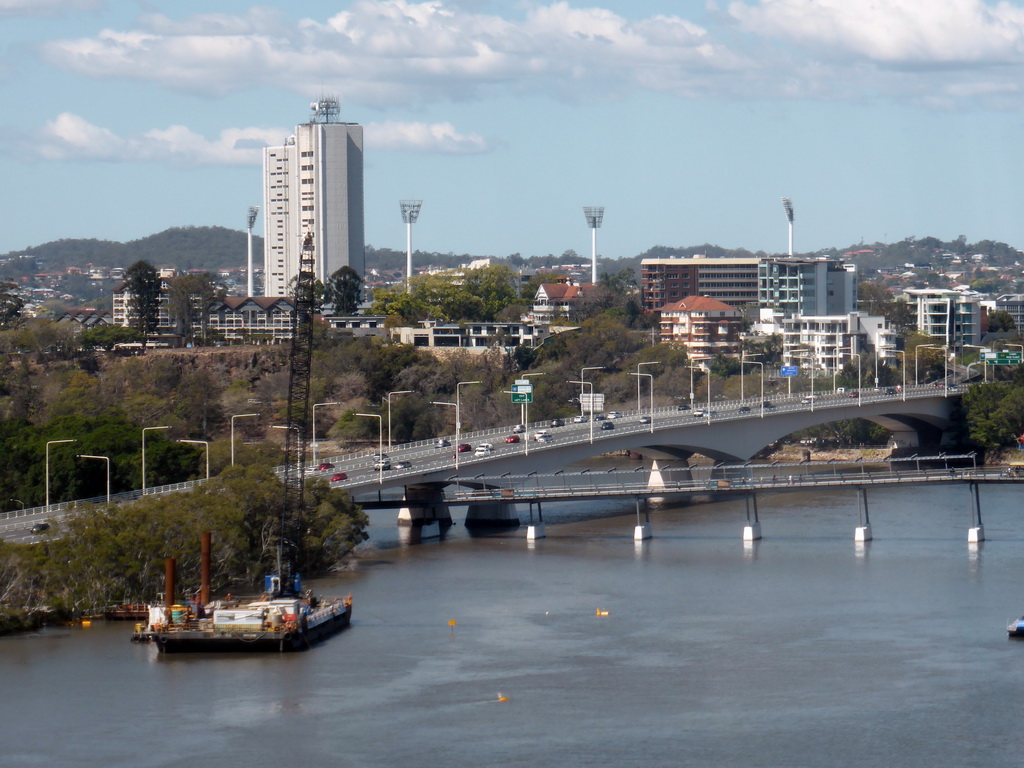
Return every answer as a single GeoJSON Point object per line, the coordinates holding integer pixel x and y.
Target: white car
{"type": "Point", "coordinates": [614, 415]}
{"type": "Point", "coordinates": [483, 449]}
{"type": "Point", "coordinates": [542, 436]}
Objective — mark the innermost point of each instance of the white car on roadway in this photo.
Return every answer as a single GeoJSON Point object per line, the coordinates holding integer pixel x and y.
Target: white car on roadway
{"type": "Point", "coordinates": [483, 449]}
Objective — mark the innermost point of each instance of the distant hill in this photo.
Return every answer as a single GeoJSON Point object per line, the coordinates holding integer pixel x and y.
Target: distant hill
{"type": "Point", "coordinates": [183, 248]}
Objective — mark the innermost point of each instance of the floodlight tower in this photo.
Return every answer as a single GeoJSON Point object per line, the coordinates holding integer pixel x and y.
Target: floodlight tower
{"type": "Point", "coordinates": [595, 215]}
{"type": "Point", "coordinates": [251, 221]}
{"type": "Point", "coordinates": [787, 206]}
{"type": "Point", "coordinates": [410, 212]}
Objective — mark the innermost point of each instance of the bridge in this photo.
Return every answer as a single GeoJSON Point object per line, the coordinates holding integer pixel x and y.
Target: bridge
{"type": "Point", "coordinates": [725, 431]}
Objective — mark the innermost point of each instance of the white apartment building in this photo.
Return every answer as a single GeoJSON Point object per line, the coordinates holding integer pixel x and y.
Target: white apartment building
{"type": "Point", "coordinates": [314, 183]}
{"type": "Point", "coordinates": [952, 316]}
{"type": "Point", "coordinates": [831, 341]}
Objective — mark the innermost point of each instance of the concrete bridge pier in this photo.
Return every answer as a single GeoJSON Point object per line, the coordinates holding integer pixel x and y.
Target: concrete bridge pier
{"type": "Point", "coordinates": [491, 514]}
{"type": "Point", "coordinates": [424, 505]}
{"type": "Point", "coordinates": [642, 531]}
{"type": "Point", "coordinates": [976, 533]}
{"type": "Point", "coordinates": [752, 530]}
{"type": "Point", "coordinates": [534, 530]}
{"type": "Point", "coordinates": [863, 531]}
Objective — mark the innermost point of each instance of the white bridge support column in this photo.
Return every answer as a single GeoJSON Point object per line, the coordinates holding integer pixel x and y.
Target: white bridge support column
{"type": "Point", "coordinates": [976, 533]}
{"type": "Point", "coordinates": [862, 531]}
{"type": "Point", "coordinates": [491, 514]}
{"type": "Point", "coordinates": [424, 505]}
{"type": "Point", "coordinates": [752, 530]}
{"type": "Point", "coordinates": [642, 530]}
{"type": "Point", "coordinates": [535, 530]}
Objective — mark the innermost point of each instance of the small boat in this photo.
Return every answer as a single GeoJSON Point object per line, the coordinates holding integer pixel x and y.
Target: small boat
{"type": "Point", "coordinates": [275, 624]}
{"type": "Point", "coordinates": [1016, 627]}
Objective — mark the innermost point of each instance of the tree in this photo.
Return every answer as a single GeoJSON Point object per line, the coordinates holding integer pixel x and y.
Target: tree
{"type": "Point", "coordinates": [189, 298]}
{"type": "Point", "coordinates": [344, 289]}
{"type": "Point", "coordinates": [142, 285]}
{"type": "Point", "coordinates": [1001, 321]}
{"type": "Point", "coordinates": [11, 304]}
{"type": "Point", "coordinates": [107, 336]}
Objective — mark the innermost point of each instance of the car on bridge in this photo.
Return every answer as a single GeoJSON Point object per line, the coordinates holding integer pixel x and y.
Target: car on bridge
{"type": "Point", "coordinates": [556, 423]}
{"type": "Point", "coordinates": [441, 443]}
{"type": "Point", "coordinates": [39, 528]}
{"type": "Point", "coordinates": [541, 436]}
{"type": "Point", "coordinates": [614, 415]}
{"type": "Point", "coordinates": [744, 409]}
{"type": "Point", "coordinates": [337, 477]}
{"type": "Point", "coordinates": [463, 448]}
{"type": "Point", "coordinates": [607, 425]}
{"type": "Point", "coordinates": [325, 466]}
{"type": "Point", "coordinates": [403, 464]}
{"type": "Point", "coordinates": [699, 413]}
{"type": "Point", "coordinates": [645, 419]}
{"type": "Point", "coordinates": [512, 439]}
{"type": "Point", "coordinates": [381, 462]}
{"type": "Point", "coordinates": [518, 429]}
{"type": "Point", "coordinates": [682, 407]}
{"type": "Point", "coordinates": [581, 419]}
{"type": "Point", "coordinates": [483, 449]}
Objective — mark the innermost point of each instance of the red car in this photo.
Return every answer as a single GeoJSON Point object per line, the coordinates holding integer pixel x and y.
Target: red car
{"type": "Point", "coordinates": [512, 439]}
{"type": "Point", "coordinates": [338, 476]}
{"type": "Point", "coordinates": [464, 448]}
{"type": "Point", "coordinates": [325, 466]}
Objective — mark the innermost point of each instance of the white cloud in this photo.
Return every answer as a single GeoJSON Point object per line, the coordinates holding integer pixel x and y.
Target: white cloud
{"type": "Point", "coordinates": [24, 8]}
{"type": "Point", "coordinates": [70, 137]}
{"type": "Point", "coordinates": [423, 137]}
{"type": "Point", "coordinates": [382, 52]}
{"type": "Point", "coordinates": [386, 53]}
{"type": "Point", "coordinates": [893, 32]}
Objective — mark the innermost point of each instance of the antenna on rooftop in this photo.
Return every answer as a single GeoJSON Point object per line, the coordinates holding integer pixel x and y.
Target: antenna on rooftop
{"type": "Point", "coordinates": [595, 215]}
{"type": "Point", "coordinates": [326, 110]}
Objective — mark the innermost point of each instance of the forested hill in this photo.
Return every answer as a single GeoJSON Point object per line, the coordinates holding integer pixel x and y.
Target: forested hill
{"type": "Point", "coordinates": [180, 247]}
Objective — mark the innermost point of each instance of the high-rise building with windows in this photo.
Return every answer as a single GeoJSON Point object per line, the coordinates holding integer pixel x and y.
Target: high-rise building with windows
{"type": "Point", "coordinates": [313, 183]}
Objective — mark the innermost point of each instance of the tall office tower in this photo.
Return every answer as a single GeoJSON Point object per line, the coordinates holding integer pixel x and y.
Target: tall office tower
{"type": "Point", "coordinates": [313, 184]}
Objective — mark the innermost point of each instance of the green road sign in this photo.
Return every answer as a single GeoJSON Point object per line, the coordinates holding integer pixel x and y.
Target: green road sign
{"type": "Point", "coordinates": [522, 397]}
{"type": "Point", "coordinates": [1001, 358]}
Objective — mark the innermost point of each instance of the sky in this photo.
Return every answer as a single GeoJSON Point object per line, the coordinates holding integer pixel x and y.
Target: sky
{"type": "Point", "coordinates": [688, 121]}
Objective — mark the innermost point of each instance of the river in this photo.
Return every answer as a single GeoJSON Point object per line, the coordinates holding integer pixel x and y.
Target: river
{"type": "Point", "coordinates": [692, 649]}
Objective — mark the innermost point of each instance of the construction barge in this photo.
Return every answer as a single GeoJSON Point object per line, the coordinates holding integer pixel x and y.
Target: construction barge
{"type": "Point", "coordinates": [277, 624]}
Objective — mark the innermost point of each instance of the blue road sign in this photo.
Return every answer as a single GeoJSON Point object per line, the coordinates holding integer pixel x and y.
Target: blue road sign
{"type": "Point", "coordinates": [789, 370]}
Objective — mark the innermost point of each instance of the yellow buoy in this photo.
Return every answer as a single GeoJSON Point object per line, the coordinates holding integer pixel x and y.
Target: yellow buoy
{"type": "Point", "coordinates": [599, 612]}
{"type": "Point", "coordinates": [86, 623]}
{"type": "Point", "coordinates": [502, 698]}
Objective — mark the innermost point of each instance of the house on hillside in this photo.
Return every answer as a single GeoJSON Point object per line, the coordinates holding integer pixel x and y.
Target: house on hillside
{"type": "Point", "coordinates": [557, 301]}
{"type": "Point", "coordinates": [705, 326]}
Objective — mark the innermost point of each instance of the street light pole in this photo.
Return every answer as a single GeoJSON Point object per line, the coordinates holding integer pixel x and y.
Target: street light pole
{"type": "Point", "coordinates": [591, 385]}
{"type": "Point", "coordinates": [380, 444]}
{"type": "Point", "coordinates": [207, 444]}
{"type": "Point", "coordinates": [458, 413]}
{"type": "Point", "coordinates": [315, 405]}
{"type": "Point", "coordinates": [398, 392]}
{"type": "Point", "coordinates": [526, 419]}
{"type": "Point", "coordinates": [456, 407]}
{"type": "Point", "coordinates": [857, 355]}
{"type": "Point", "coordinates": [144, 430]}
{"type": "Point", "coordinates": [582, 371]}
{"type": "Point", "coordinates": [47, 468]}
{"type": "Point", "coordinates": [237, 416]}
{"type": "Point", "coordinates": [102, 458]}
{"type": "Point", "coordinates": [638, 365]}
{"type": "Point", "coordinates": [651, 377]}
{"type": "Point", "coordinates": [761, 366]}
